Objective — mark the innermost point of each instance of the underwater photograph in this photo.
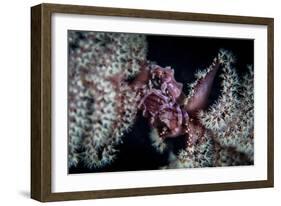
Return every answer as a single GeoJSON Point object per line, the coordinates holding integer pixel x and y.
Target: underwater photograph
{"type": "Point", "coordinates": [151, 102]}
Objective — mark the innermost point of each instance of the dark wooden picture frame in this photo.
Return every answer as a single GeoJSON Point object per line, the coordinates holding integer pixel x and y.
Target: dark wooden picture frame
{"type": "Point", "coordinates": [41, 115]}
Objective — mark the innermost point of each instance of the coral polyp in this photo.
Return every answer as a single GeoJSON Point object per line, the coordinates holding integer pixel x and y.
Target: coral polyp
{"type": "Point", "coordinates": [101, 105]}
{"type": "Point", "coordinates": [226, 133]}
{"type": "Point", "coordinates": [113, 85]}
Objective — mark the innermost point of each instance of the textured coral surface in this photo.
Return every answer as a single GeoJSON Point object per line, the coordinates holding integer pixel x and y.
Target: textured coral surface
{"type": "Point", "coordinates": [128, 112]}
{"type": "Point", "coordinates": [101, 105]}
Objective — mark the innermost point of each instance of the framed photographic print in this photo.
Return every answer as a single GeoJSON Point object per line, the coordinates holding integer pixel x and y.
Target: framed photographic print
{"type": "Point", "coordinates": [132, 102]}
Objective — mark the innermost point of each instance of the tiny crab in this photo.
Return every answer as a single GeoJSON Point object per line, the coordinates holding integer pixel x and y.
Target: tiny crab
{"type": "Point", "coordinates": [166, 106]}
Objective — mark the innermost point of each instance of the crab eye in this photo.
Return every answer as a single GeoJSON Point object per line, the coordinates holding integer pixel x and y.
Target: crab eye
{"type": "Point", "coordinates": [156, 82]}
{"type": "Point", "coordinates": [163, 131]}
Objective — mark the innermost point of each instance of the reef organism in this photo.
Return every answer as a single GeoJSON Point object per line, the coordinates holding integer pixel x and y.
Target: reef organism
{"type": "Point", "coordinates": [166, 106]}
{"type": "Point", "coordinates": [101, 104]}
{"type": "Point", "coordinates": [112, 83]}
{"type": "Point", "coordinates": [224, 131]}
